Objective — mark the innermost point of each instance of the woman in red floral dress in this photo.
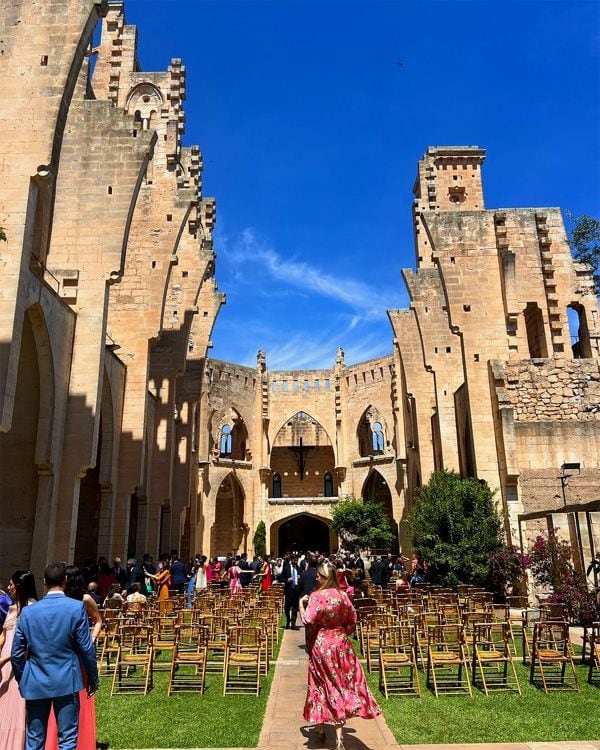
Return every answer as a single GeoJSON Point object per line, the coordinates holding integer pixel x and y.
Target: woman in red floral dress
{"type": "Point", "coordinates": [337, 688]}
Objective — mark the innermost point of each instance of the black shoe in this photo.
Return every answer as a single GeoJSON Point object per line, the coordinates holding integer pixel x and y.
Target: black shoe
{"type": "Point", "coordinates": [287, 627]}
{"type": "Point", "coordinates": [295, 627]}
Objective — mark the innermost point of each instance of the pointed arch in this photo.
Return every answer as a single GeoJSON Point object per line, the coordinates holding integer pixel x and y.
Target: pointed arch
{"type": "Point", "coordinates": [302, 453]}
{"type": "Point", "coordinates": [302, 531]}
{"type": "Point", "coordinates": [372, 433]}
{"type": "Point", "coordinates": [300, 422]}
{"type": "Point", "coordinates": [229, 434]}
{"type": "Point", "coordinates": [376, 490]}
{"type": "Point", "coordinates": [25, 450]}
{"type": "Point", "coordinates": [228, 531]}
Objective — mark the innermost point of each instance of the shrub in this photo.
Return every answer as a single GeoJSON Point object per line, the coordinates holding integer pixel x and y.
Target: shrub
{"type": "Point", "coordinates": [362, 524]}
{"type": "Point", "coordinates": [260, 539]}
{"type": "Point", "coordinates": [550, 560]}
{"type": "Point", "coordinates": [455, 527]}
{"type": "Point", "coordinates": [505, 569]}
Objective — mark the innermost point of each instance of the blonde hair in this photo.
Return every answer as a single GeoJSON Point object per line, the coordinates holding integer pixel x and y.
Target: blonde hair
{"type": "Point", "coordinates": [329, 579]}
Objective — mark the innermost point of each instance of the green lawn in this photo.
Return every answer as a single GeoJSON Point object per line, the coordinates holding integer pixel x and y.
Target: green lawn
{"type": "Point", "coordinates": [183, 719]}
{"type": "Point", "coordinates": [501, 717]}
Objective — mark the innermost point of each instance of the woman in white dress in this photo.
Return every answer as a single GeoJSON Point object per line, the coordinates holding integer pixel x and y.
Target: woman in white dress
{"type": "Point", "coordinates": [202, 574]}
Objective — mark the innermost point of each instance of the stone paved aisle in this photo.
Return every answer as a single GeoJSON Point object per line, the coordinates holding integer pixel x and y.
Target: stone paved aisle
{"type": "Point", "coordinates": [285, 729]}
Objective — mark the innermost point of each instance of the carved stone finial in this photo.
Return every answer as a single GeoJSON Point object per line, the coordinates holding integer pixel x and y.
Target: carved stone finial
{"type": "Point", "coordinates": [339, 357]}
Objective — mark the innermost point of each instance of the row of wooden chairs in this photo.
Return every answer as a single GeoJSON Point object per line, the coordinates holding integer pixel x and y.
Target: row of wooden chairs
{"type": "Point", "coordinates": [388, 639]}
{"type": "Point", "coordinates": [445, 657]}
{"type": "Point", "coordinates": [230, 637]}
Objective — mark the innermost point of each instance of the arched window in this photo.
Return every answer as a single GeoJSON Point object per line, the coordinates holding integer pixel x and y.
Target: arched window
{"type": "Point", "coordinates": [328, 485]}
{"type": "Point", "coordinates": [276, 485]}
{"type": "Point", "coordinates": [378, 438]}
{"type": "Point", "coordinates": [225, 442]}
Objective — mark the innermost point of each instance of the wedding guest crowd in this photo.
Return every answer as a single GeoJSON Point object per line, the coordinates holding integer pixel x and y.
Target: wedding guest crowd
{"type": "Point", "coordinates": [60, 630]}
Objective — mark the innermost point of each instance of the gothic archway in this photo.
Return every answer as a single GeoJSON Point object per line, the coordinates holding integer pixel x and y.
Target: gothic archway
{"type": "Point", "coordinates": [300, 533]}
{"type": "Point", "coordinates": [302, 457]}
{"type": "Point", "coordinates": [25, 448]}
{"type": "Point", "coordinates": [371, 433]}
{"type": "Point", "coordinates": [230, 435]}
{"type": "Point", "coordinates": [228, 533]}
{"type": "Point", "coordinates": [376, 489]}
{"type": "Point", "coordinates": [90, 488]}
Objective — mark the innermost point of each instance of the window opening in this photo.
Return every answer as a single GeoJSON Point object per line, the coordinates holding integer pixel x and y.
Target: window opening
{"type": "Point", "coordinates": [225, 442]}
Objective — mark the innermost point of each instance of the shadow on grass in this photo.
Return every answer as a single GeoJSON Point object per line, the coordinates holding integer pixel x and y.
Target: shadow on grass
{"type": "Point", "coordinates": [501, 717]}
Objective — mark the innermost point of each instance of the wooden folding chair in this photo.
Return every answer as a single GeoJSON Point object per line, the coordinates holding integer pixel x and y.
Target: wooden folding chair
{"type": "Point", "coordinates": [492, 659]}
{"type": "Point", "coordinates": [242, 666]}
{"type": "Point", "coordinates": [551, 656]}
{"type": "Point", "coordinates": [108, 644]}
{"type": "Point", "coordinates": [594, 658]}
{"type": "Point", "coordinates": [133, 666]}
{"type": "Point", "coordinates": [370, 637]}
{"type": "Point", "coordinates": [421, 624]}
{"type": "Point", "coordinates": [164, 640]}
{"type": "Point", "coordinates": [529, 618]}
{"type": "Point", "coordinates": [397, 662]}
{"type": "Point", "coordinates": [217, 642]}
{"type": "Point", "coordinates": [447, 667]}
{"type": "Point", "coordinates": [190, 653]}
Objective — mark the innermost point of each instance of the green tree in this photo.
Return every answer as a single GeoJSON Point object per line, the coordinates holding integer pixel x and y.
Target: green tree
{"type": "Point", "coordinates": [362, 524]}
{"type": "Point", "coordinates": [260, 539]}
{"type": "Point", "coordinates": [585, 243]}
{"type": "Point", "coordinates": [455, 528]}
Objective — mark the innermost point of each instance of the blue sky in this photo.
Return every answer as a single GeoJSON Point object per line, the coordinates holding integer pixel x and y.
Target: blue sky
{"type": "Point", "coordinates": [311, 133]}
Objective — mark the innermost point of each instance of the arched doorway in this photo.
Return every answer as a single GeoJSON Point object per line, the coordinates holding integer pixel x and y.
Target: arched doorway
{"type": "Point", "coordinates": [18, 469]}
{"type": "Point", "coordinates": [228, 533]}
{"type": "Point", "coordinates": [377, 490]}
{"type": "Point", "coordinates": [89, 526]}
{"type": "Point", "coordinates": [303, 532]}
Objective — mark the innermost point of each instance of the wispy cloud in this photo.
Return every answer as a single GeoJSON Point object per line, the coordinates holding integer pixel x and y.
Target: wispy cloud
{"type": "Point", "coordinates": [294, 310]}
{"type": "Point", "coordinates": [366, 301]}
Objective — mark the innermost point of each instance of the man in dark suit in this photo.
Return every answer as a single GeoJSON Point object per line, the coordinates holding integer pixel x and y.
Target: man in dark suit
{"type": "Point", "coordinates": [376, 571]}
{"type": "Point", "coordinates": [308, 577]}
{"type": "Point", "coordinates": [119, 572]}
{"type": "Point", "coordinates": [388, 569]}
{"type": "Point", "coordinates": [178, 575]}
{"type": "Point", "coordinates": [290, 578]}
{"type": "Point", "coordinates": [136, 574]}
{"type": "Point", "coordinates": [244, 565]}
{"type": "Point", "coordinates": [52, 639]}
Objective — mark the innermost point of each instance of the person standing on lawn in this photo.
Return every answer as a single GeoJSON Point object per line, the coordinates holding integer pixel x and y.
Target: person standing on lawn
{"type": "Point", "coordinates": [337, 688]}
{"type": "Point", "coordinates": [52, 638]}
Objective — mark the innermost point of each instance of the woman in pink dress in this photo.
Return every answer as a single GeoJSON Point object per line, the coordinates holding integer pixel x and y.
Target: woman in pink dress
{"type": "Point", "coordinates": [21, 589]}
{"type": "Point", "coordinates": [337, 688]}
{"type": "Point", "coordinates": [235, 585]}
{"type": "Point", "coordinates": [86, 738]}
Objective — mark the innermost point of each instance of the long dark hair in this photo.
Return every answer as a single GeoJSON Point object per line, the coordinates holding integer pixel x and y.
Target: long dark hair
{"type": "Point", "coordinates": [75, 584]}
{"type": "Point", "coordinates": [25, 587]}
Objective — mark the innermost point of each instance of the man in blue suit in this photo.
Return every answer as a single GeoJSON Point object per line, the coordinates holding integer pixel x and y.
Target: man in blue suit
{"type": "Point", "coordinates": [51, 639]}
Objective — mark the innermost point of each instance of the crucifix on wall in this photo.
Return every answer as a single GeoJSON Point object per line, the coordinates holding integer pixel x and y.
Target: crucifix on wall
{"type": "Point", "coordinates": [300, 452]}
